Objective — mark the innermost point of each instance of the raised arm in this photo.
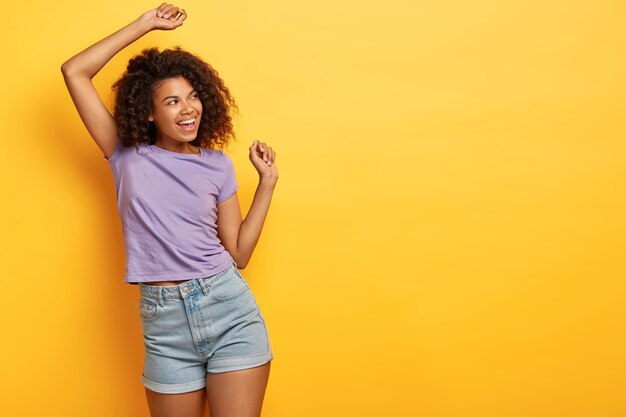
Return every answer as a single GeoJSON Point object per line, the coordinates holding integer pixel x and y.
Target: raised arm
{"type": "Point", "coordinates": [79, 71]}
{"type": "Point", "coordinates": [239, 237]}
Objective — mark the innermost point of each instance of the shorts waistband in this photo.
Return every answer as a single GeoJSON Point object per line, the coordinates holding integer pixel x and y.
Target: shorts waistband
{"type": "Point", "coordinates": [180, 291]}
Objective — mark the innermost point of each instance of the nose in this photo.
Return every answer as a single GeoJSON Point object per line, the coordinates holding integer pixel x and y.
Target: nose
{"type": "Point", "coordinates": [187, 108]}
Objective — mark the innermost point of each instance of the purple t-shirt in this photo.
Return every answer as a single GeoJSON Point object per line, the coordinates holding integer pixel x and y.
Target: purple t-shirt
{"type": "Point", "coordinates": [168, 207]}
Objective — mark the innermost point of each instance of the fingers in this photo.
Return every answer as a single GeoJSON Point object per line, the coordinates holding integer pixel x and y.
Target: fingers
{"type": "Point", "coordinates": [167, 11]}
{"type": "Point", "coordinates": [271, 155]}
{"type": "Point", "coordinates": [163, 8]}
{"type": "Point", "coordinates": [264, 152]}
{"type": "Point", "coordinates": [168, 17]}
{"type": "Point", "coordinates": [183, 15]}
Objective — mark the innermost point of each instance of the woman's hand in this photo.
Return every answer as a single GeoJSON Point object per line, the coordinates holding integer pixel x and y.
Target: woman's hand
{"type": "Point", "coordinates": [262, 157]}
{"type": "Point", "coordinates": [165, 17]}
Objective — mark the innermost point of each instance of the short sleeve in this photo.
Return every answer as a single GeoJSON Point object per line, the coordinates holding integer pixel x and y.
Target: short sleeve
{"type": "Point", "coordinates": [230, 185]}
{"type": "Point", "coordinates": [116, 152]}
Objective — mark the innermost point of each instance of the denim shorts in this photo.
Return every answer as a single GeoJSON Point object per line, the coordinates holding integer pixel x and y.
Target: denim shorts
{"type": "Point", "coordinates": [205, 325]}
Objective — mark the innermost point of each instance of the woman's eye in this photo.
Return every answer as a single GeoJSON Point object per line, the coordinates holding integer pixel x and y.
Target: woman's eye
{"type": "Point", "coordinates": [172, 102]}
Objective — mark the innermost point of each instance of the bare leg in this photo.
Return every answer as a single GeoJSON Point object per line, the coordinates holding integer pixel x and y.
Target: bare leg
{"type": "Point", "coordinates": [189, 404]}
{"type": "Point", "coordinates": [238, 393]}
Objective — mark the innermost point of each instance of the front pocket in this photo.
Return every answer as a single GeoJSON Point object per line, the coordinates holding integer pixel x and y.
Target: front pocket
{"type": "Point", "coordinates": [147, 309]}
{"type": "Point", "coordinates": [228, 286]}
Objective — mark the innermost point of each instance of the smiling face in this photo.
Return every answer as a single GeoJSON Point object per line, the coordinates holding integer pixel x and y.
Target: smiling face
{"type": "Point", "coordinates": [176, 111]}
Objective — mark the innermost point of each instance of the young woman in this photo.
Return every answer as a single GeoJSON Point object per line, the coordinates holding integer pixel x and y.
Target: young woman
{"type": "Point", "coordinates": [184, 237]}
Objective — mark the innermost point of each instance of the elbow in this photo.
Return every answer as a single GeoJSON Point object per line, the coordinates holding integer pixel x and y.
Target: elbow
{"type": "Point", "coordinates": [65, 68]}
{"type": "Point", "coordinates": [241, 263]}
{"type": "Point", "coordinates": [69, 69]}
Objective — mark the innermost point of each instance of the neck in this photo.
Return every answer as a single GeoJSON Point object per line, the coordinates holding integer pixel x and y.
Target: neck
{"type": "Point", "coordinates": [178, 147]}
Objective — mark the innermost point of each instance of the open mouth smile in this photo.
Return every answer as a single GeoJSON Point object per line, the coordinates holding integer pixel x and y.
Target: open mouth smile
{"type": "Point", "coordinates": [187, 124]}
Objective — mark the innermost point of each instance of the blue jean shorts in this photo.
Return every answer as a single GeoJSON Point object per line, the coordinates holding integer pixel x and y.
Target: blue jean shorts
{"type": "Point", "coordinates": [206, 325]}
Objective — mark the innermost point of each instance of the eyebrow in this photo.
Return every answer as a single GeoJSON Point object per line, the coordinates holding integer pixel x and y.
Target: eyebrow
{"type": "Point", "coordinates": [169, 97]}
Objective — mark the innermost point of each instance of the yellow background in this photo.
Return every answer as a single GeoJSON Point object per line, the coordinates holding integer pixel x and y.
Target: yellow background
{"type": "Point", "coordinates": [446, 238]}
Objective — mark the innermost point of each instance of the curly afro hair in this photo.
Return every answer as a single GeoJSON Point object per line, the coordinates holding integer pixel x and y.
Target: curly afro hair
{"type": "Point", "coordinates": [135, 89]}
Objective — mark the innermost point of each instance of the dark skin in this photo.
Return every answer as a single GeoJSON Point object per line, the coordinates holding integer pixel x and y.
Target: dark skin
{"type": "Point", "coordinates": [237, 393]}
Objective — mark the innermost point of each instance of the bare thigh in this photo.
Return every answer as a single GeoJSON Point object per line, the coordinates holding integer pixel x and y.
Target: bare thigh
{"type": "Point", "coordinates": [189, 404]}
{"type": "Point", "coordinates": [237, 393]}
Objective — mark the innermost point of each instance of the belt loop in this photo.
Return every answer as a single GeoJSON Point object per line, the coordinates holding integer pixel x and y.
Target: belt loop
{"type": "Point", "coordinates": [160, 296]}
{"type": "Point", "coordinates": [204, 286]}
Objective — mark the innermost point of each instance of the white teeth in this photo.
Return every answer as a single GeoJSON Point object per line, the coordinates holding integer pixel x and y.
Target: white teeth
{"type": "Point", "coordinates": [187, 122]}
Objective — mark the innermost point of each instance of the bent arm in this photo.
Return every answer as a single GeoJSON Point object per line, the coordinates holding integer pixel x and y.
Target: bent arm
{"type": "Point", "coordinates": [79, 70]}
{"type": "Point", "coordinates": [87, 63]}
{"type": "Point", "coordinates": [238, 236]}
